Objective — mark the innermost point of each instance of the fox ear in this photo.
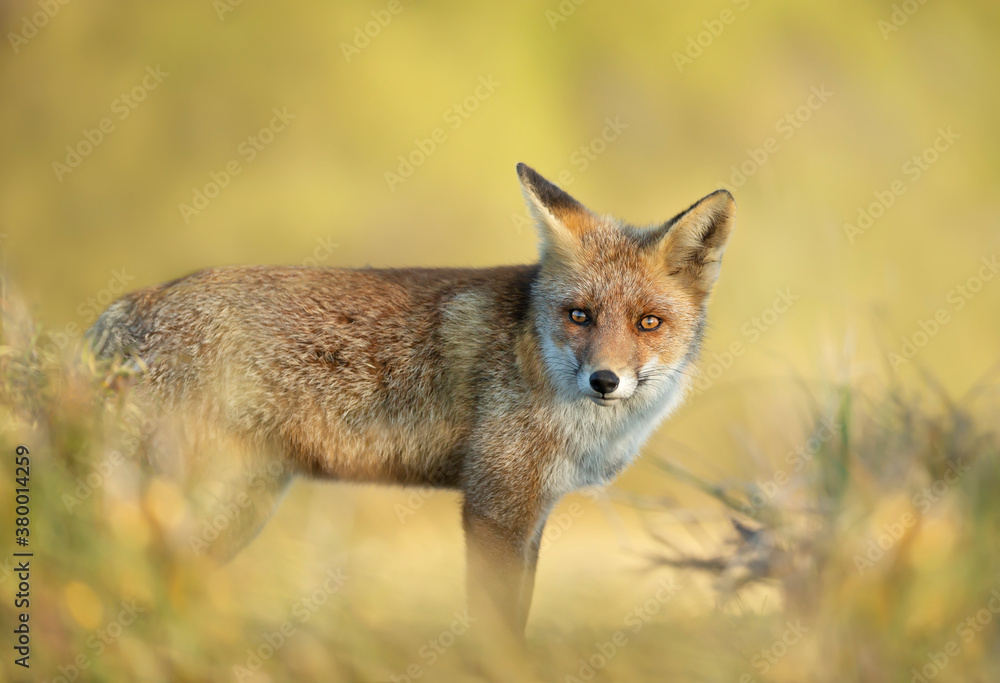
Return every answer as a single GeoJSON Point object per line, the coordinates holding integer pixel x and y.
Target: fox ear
{"type": "Point", "coordinates": [695, 239]}
{"type": "Point", "coordinates": [561, 219]}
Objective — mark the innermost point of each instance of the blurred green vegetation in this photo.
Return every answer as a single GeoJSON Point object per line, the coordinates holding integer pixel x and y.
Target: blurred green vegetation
{"type": "Point", "coordinates": [318, 190]}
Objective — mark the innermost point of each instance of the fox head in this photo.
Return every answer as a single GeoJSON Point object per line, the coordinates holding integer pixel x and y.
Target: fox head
{"type": "Point", "coordinates": [620, 309]}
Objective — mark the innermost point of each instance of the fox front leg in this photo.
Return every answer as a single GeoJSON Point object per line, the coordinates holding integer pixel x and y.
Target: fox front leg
{"type": "Point", "coordinates": [529, 584]}
{"type": "Point", "coordinates": [502, 554]}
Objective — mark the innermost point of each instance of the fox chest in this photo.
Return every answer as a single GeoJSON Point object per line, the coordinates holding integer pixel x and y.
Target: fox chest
{"type": "Point", "coordinates": [600, 444]}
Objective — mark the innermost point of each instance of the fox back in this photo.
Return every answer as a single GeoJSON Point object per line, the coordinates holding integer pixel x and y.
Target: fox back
{"type": "Point", "coordinates": [515, 385]}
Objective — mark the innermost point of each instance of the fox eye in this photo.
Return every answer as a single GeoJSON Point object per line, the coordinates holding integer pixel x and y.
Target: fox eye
{"type": "Point", "coordinates": [650, 322]}
{"type": "Point", "coordinates": [579, 317]}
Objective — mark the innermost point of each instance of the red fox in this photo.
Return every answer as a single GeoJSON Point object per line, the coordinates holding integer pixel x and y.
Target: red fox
{"type": "Point", "coordinates": [514, 385]}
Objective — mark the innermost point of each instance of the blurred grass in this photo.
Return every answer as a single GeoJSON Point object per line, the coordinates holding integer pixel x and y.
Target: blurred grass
{"type": "Point", "coordinates": [323, 177]}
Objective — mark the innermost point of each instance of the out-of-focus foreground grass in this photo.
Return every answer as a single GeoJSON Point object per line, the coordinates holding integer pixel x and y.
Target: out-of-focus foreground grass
{"type": "Point", "coordinates": [871, 554]}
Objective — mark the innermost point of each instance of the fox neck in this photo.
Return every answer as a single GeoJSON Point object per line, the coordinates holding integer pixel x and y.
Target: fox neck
{"type": "Point", "coordinates": [601, 441]}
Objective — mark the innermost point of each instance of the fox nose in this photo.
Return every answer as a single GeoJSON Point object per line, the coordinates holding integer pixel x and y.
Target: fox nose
{"type": "Point", "coordinates": [604, 381]}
